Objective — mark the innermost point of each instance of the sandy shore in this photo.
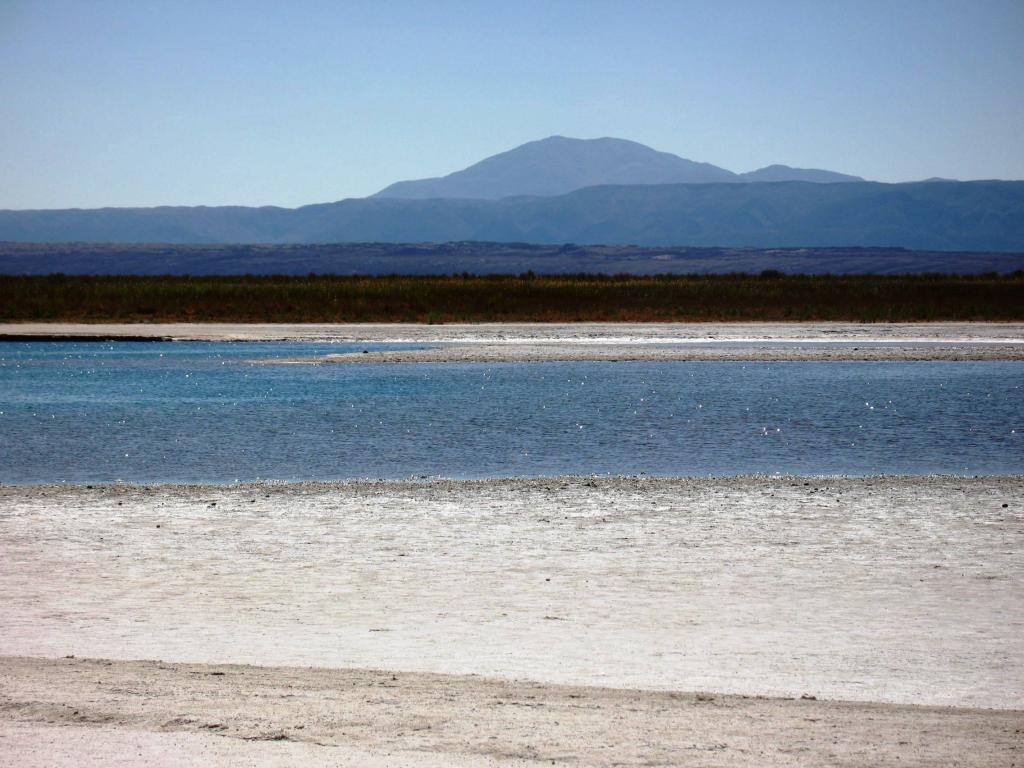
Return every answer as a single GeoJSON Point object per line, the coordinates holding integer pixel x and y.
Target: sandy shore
{"type": "Point", "coordinates": [594, 333]}
{"type": "Point", "coordinates": [609, 595]}
{"type": "Point", "coordinates": [619, 353]}
{"type": "Point", "coordinates": [92, 712]}
{"type": "Point", "coordinates": [534, 342]}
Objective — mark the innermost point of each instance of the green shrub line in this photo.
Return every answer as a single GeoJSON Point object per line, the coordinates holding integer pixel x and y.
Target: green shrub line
{"type": "Point", "coordinates": [510, 298]}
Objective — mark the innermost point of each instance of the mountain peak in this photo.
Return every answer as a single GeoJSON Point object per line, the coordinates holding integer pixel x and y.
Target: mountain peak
{"type": "Point", "coordinates": [788, 173]}
{"type": "Point", "coordinates": [557, 165]}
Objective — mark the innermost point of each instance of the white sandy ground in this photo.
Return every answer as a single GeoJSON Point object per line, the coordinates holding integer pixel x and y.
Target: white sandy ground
{"type": "Point", "coordinates": [77, 712]}
{"type": "Point", "coordinates": [510, 333]}
{"type": "Point", "coordinates": [886, 589]}
{"type": "Point", "coordinates": [876, 589]}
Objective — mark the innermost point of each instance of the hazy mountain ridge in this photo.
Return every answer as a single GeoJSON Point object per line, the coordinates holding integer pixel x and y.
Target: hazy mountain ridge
{"type": "Point", "coordinates": [558, 165]}
{"type": "Point", "coordinates": [968, 216]}
{"type": "Point", "coordinates": [612, 191]}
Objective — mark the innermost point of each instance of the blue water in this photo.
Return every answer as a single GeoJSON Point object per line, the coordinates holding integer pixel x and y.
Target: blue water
{"type": "Point", "coordinates": [201, 412]}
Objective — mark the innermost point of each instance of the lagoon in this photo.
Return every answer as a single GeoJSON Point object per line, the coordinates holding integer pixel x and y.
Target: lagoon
{"type": "Point", "coordinates": [190, 412]}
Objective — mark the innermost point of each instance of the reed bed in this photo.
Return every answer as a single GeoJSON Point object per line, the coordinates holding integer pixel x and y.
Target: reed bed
{"type": "Point", "coordinates": [509, 298]}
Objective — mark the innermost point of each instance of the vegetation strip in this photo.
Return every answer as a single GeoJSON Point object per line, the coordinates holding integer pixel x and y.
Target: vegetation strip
{"type": "Point", "coordinates": [508, 298]}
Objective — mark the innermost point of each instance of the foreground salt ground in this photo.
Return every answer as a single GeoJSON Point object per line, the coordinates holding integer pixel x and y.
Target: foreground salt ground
{"type": "Point", "coordinates": [904, 590]}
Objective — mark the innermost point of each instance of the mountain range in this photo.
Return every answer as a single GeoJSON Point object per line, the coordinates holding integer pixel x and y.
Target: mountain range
{"type": "Point", "coordinates": [608, 191]}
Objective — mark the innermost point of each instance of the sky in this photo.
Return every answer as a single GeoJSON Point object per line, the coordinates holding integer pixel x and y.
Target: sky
{"type": "Point", "coordinates": [207, 102]}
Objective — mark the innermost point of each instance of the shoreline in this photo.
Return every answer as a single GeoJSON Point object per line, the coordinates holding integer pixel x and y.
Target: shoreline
{"type": "Point", "coordinates": [589, 332]}
{"type": "Point", "coordinates": [518, 483]}
{"type": "Point", "coordinates": [686, 352]}
{"type": "Point", "coordinates": [495, 343]}
{"type": "Point", "coordinates": [88, 710]}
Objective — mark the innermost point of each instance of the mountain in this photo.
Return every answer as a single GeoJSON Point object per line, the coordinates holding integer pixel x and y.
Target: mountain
{"type": "Point", "coordinates": [947, 216]}
{"type": "Point", "coordinates": [786, 173]}
{"type": "Point", "coordinates": [558, 165]}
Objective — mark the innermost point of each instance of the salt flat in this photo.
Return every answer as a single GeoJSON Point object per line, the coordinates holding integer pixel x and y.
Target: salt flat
{"type": "Point", "coordinates": [877, 589]}
{"type": "Point", "coordinates": [891, 591]}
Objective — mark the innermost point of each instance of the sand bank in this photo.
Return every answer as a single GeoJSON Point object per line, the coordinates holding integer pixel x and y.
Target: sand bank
{"type": "Point", "coordinates": [625, 342]}
{"type": "Point", "coordinates": [536, 342]}
{"type": "Point", "coordinates": [594, 333]}
{"type": "Point", "coordinates": [93, 712]}
{"type": "Point", "coordinates": [618, 353]}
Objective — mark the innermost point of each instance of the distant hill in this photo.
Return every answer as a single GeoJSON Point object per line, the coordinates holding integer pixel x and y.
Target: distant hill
{"type": "Point", "coordinates": [558, 165]}
{"type": "Point", "coordinates": [949, 216]}
{"type": "Point", "coordinates": [785, 173]}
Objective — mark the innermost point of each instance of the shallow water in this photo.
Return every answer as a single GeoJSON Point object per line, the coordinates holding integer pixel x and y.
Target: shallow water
{"type": "Point", "coordinates": [202, 412]}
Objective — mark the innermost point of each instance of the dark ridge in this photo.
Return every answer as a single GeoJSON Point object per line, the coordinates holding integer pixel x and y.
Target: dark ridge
{"type": "Point", "coordinates": [769, 296]}
{"type": "Point", "coordinates": [480, 258]}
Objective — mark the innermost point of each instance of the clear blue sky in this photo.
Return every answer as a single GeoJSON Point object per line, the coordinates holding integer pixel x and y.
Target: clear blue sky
{"type": "Point", "coordinates": [104, 102]}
